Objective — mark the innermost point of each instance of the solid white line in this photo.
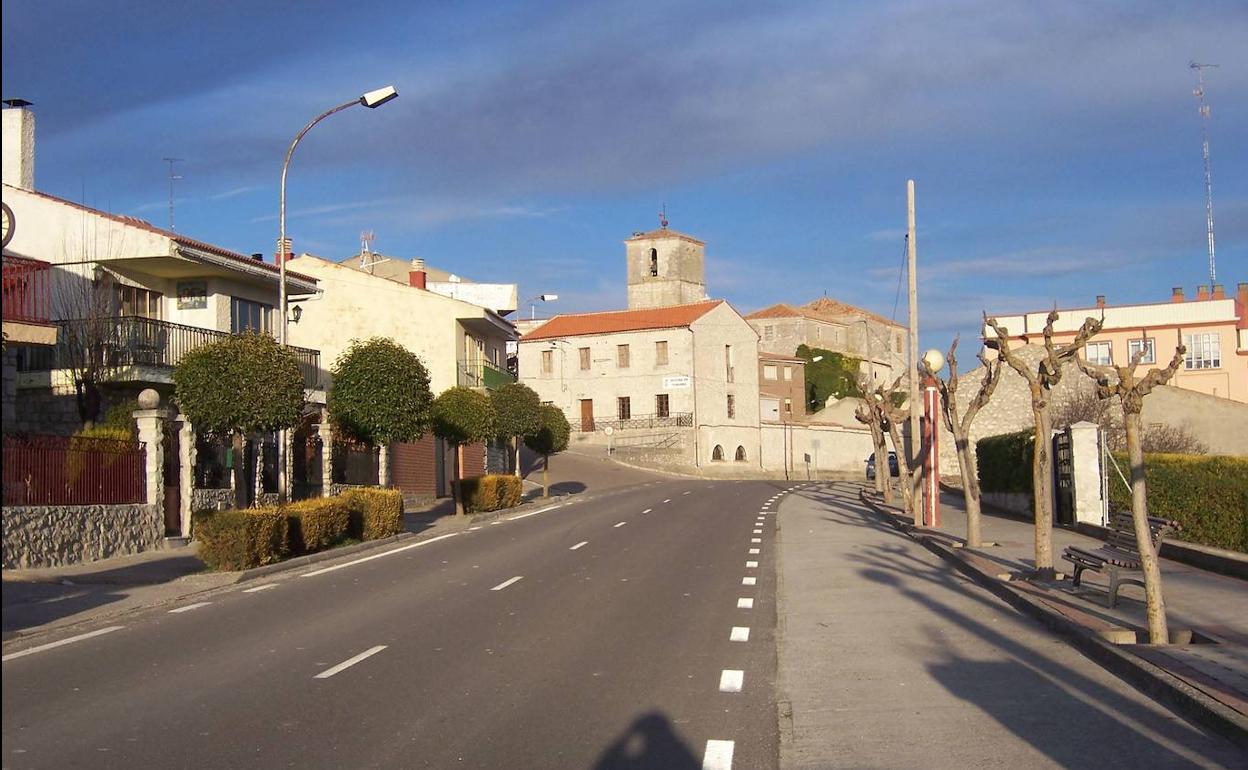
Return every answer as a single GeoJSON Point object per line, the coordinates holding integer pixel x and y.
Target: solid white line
{"type": "Point", "coordinates": [506, 583]}
{"type": "Point", "coordinates": [264, 587]}
{"type": "Point", "coordinates": [739, 634]}
{"type": "Point", "coordinates": [578, 545]}
{"type": "Point", "coordinates": [745, 603]}
{"type": "Point", "coordinates": [731, 680]}
{"type": "Point", "coordinates": [474, 529]}
{"type": "Point", "coordinates": [189, 607]}
{"type": "Point", "coordinates": [749, 581]}
{"type": "Point", "coordinates": [622, 523]}
{"type": "Point", "coordinates": [718, 755]}
{"type": "Point", "coordinates": [349, 662]}
{"type": "Point", "coordinates": [751, 565]}
{"type": "Point", "coordinates": [756, 540]}
{"type": "Point", "coordinates": [526, 515]}
{"type": "Point", "coordinates": [647, 510]}
{"type": "Point", "coordinates": [755, 551]}
{"type": "Point", "coordinates": [400, 549]}
{"type": "Point", "coordinates": [61, 643]}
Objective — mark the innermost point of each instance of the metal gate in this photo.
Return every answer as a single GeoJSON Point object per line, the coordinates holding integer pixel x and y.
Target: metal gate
{"type": "Point", "coordinates": [172, 467]}
{"type": "Point", "coordinates": [1064, 475]}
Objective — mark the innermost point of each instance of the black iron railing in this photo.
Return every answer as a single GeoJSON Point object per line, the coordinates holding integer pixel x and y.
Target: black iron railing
{"type": "Point", "coordinates": [640, 422]}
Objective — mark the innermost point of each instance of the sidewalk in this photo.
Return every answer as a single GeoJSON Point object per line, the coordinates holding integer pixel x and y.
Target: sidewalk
{"type": "Point", "coordinates": [890, 657]}
{"type": "Point", "coordinates": [1213, 606]}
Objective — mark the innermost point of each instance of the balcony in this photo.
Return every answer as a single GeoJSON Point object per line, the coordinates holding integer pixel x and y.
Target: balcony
{"type": "Point", "coordinates": [122, 345]}
{"type": "Point", "coordinates": [482, 374]}
{"type": "Point", "coordinates": [26, 298]}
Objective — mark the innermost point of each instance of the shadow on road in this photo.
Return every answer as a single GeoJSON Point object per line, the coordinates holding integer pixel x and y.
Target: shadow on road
{"type": "Point", "coordinates": [648, 744]}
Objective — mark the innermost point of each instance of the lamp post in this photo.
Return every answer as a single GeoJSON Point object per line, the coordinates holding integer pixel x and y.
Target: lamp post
{"type": "Point", "coordinates": [933, 361]}
{"type": "Point", "coordinates": [372, 100]}
{"type": "Point", "coordinates": [539, 298]}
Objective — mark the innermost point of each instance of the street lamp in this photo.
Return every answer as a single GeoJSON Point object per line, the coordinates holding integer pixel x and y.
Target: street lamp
{"type": "Point", "coordinates": [372, 100]}
{"type": "Point", "coordinates": [542, 298]}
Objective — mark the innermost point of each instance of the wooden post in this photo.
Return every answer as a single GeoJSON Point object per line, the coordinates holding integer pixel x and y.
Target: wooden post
{"type": "Point", "coordinates": [913, 369]}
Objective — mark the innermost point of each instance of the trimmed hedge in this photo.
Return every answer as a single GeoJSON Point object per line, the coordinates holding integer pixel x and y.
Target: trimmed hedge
{"type": "Point", "coordinates": [236, 540]}
{"type": "Point", "coordinates": [1208, 495]}
{"type": "Point", "coordinates": [375, 513]}
{"type": "Point", "coordinates": [492, 492]}
{"type": "Point", "coordinates": [317, 523]}
{"type": "Point", "coordinates": [1005, 462]}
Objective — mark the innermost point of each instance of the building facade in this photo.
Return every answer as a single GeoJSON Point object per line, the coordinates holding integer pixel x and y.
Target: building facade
{"type": "Point", "coordinates": [665, 268]}
{"type": "Point", "coordinates": [782, 387]}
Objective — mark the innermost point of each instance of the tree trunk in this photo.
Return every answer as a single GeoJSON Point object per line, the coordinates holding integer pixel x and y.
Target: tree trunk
{"type": "Point", "coordinates": [1042, 492]}
{"type": "Point", "coordinates": [1158, 631]}
{"type": "Point", "coordinates": [515, 443]}
{"type": "Point", "coordinates": [240, 471]}
{"type": "Point", "coordinates": [883, 471]}
{"type": "Point", "coordinates": [545, 476]}
{"type": "Point", "coordinates": [456, 490]}
{"type": "Point", "coordinates": [970, 486]}
{"type": "Point", "coordinates": [259, 479]}
{"type": "Point", "coordinates": [903, 465]}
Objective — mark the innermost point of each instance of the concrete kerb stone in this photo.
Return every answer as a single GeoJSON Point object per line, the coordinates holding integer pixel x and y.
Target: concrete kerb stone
{"type": "Point", "coordinates": [1141, 674]}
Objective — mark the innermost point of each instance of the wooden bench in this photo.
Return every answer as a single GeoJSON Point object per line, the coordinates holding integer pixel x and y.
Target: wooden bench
{"type": "Point", "coordinates": [1120, 552]}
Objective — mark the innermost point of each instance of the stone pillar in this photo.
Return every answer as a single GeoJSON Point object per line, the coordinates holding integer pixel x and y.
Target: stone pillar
{"type": "Point", "coordinates": [149, 419]}
{"type": "Point", "coordinates": [1085, 449]}
{"type": "Point", "coordinates": [187, 457]}
{"type": "Point", "coordinates": [383, 465]}
{"type": "Point", "coordinates": [326, 432]}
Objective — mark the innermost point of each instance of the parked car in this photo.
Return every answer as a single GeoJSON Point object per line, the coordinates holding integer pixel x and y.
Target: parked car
{"type": "Point", "coordinates": [893, 470]}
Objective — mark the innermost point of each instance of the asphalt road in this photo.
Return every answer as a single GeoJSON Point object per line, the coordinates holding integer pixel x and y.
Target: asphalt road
{"type": "Point", "coordinates": [595, 635]}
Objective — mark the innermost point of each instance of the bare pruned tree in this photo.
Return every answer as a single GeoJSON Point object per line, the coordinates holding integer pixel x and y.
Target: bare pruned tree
{"type": "Point", "coordinates": [871, 413]}
{"type": "Point", "coordinates": [895, 417]}
{"type": "Point", "coordinates": [959, 424]}
{"type": "Point", "coordinates": [82, 303]}
{"type": "Point", "coordinates": [1040, 383]}
{"type": "Point", "coordinates": [1131, 392]}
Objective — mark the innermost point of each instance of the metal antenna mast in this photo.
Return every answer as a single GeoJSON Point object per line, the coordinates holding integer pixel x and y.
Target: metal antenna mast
{"type": "Point", "coordinates": [172, 177]}
{"type": "Point", "coordinates": [1204, 132]}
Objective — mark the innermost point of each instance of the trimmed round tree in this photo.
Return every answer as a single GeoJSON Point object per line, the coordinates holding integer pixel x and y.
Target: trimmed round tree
{"type": "Point", "coordinates": [461, 416]}
{"type": "Point", "coordinates": [237, 386]}
{"type": "Point", "coordinates": [380, 394]}
{"type": "Point", "coordinates": [551, 437]}
{"type": "Point", "coordinates": [517, 413]}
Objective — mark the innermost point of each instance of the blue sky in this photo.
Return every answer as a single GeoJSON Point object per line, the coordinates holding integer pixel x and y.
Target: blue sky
{"type": "Point", "coordinates": [1055, 146]}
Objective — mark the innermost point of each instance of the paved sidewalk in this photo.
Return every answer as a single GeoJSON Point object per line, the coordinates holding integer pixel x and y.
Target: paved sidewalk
{"type": "Point", "coordinates": [890, 657]}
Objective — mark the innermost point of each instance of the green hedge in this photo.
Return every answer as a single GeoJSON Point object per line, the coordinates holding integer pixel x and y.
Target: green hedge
{"type": "Point", "coordinates": [1208, 495]}
{"type": "Point", "coordinates": [492, 492]}
{"type": "Point", "coordinates": [235, 540]}
{"type": "Point", "coordinates": [317, 523]}
{"type": "Point", "coordinates": [375, 512]}
{"type": "Point", "coordinates": [1005, 462]}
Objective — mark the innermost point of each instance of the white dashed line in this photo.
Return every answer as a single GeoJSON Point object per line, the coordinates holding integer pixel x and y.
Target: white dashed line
{"type": "Point", "coordinates": [758, 532]}
{"type": "Point", "coordinates": [684, 493]}
{"type": "Point", "coordinates": [745, 603]}
{"type": "Point", "coordinates": [379, 555]}
{"type": "Point", "coordinates": [578, 545]}
{"type": "Point", "coordinates": [756, 540]}
{"type": "Point", "coordinates": [751, 565]}
{"type": "Point", "coordinates": [61, 643]}
{"type": "Point", "coordinates": [618, 525]}
{"type": "Point", "coordinates": [506, 583]}
{"type": "Point", "coordinates": [264, 587]}
{"type": "Point", "coordinates": [731, 680]}
{"type": "Point", "coordinates": [647, 510]}
{"type": "Point", "coordinates": [718, 755]}
{"type": "Point", "coordinates": [739, 634]}
{"type": "Point", "coordinates": [349, 662]}
{"type": "Point", "coordinates": [189, 607]}
{"type": "Point", "coordinates": [749, 581]}
{"type": "Point", "coordinates": [474, 529]}
{"type": "Point", "coordinates": [668, 500]}
{"type": "Point", "coordinates": [755, 551]}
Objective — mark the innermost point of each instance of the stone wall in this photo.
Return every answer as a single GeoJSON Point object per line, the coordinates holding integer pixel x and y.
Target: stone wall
{"type": "Point", "coordinates": [57, 535]}
{"type": "Point", "coordinates": [211, 499]}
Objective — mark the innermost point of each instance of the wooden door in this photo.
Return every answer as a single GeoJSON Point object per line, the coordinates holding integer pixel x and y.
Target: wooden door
{"type": "Point", "coordinates": [587, 415]}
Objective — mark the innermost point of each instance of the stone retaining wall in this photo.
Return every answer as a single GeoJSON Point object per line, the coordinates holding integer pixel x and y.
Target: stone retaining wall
{"type": "Point", "coordinates": [204, 499]}
{"type": "Point", "coordinates": [58, 535]}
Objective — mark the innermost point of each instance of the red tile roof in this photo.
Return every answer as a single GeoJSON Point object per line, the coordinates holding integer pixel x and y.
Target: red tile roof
{"type": "Point", "coordinates": [614, 321]}
{"type": "Point", "coordinates": [822, 309]}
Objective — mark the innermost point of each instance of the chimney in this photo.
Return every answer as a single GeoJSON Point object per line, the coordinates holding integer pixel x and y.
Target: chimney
{"type": "Point", "coordinates": [1241, 297]}
{"type": "Point", "coordinates": [1202, 292]}
{"type": "Point", "coordinates": [258, 256]}
{"type": "Point", "coordinates": [1100, 300]}
{"type": "Point", "coordinates": [417, 276]}
{"type": "Point", "coordinates": [283, 251]}
{"type": "Point", "coordinates": [1218, 291]}
{"type": "Point", "coordinates": [19, 144]}
{"type": "Point", "coordinates": [1176, 294]}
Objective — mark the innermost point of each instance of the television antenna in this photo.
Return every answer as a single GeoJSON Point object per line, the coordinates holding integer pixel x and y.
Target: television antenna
{"type": "Point", "coordinates": [172, 177]}
{"type": "Point", "coordinates": [1199, 92]}
{"type": "Point", "coordinates": [369, 258]}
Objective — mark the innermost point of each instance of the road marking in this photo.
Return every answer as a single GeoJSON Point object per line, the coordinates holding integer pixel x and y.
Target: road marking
{"type": "Point", "coordinates": [61, 643]}
{"type": "Point", "coordinates": [189, 607]}
{"type": "Point", "coordinates": [731, 680]}
{"type": "Point", "coordinates": [745, 603]}
{"type": "Point", "coordinates": [616, 526]}
{"type": "Point", "coordinates": [684, 493]}
{"type": "Point", "coordinates": [349, 662]}
{"type": "Point", "coordinates": [758, 532]}
{"type": "Point", "coordinates": [526, 515]}
{"type": "Point", "coordinates": [264, 587]}
{"type": "Point", "coordinates": [756, 540]}
{"type": "Point", "coordinates": [378, 555]}
{"type": "Point", "coordinates": [718, 755]}
{"type": "Point", "coordinates": [578, 545]}
{"type": "Point", "coordinates": [668, 500]}
{"type": "Point", "coordinates": [751, 565]}
{"type": "Point", "coordinates": [748, 581]}
{"type": "Point", "coordinates": [474, 529]}
{"type": "Point", "coordinates": [739, 634]}
{"type": "Point", "coordinates": [506, 583]}
{"type": "Point", "coordinates": [647, 510]}
{"type": "Point", "coordinates": [755, 551]}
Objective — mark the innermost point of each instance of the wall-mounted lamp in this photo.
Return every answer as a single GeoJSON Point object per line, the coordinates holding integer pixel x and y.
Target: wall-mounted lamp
{"type": "Point", "coordinates": [296, 313]}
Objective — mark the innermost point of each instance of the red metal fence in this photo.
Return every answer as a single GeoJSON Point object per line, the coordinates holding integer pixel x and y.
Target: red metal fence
{"type": "Point", "coordinates": [26, 289]}
{"type": "Point", "coordinates": [63, 470]}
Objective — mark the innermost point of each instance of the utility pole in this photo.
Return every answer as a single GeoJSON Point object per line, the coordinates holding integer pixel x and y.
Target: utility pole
{"type": "Point", "coordinates": [917, 511]}
{"type": "Point", "coordinates": [1204, 133]}
{"type": "Point", "coordinates": [172, 177]}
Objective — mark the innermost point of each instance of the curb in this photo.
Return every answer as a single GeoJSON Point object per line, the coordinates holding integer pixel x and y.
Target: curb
{"type": "Point", "coordinates": [1152, 680]}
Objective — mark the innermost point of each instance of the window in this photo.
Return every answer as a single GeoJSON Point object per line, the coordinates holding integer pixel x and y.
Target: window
{"type": "Point", "coordinates": [788, 406]}
{"type": "Point", "coordinates": [1148, 345]}
{"type": "Point", "coordinates": [1204, 351]}
{"type": "Point", "coordinates": [728, 371]}
{"type": "Point", "coordinates": [769, 332]}
{"type": "Point", "coordinates": [661, 408]}
{"type": "Point", "coordinates": [623, 408]}
{"type": "Point", "coordinates": [133, 301]}
{"type": "Point", "coordinates": [740, 454]}
{"type": "Point", "coordinates": [548, 361]}
{"type": "Point", "coordinates": [654, 262]}
{"type": "Point", "coordinates": [818, 332]}
{"type": "Point", "coordinates": [621, 356]}
{"type": "Point", "coordinates": [584, 358]}
{"type": "Point", "coordinates": [248, 316]}
{"type": "Point", "coordinates": [897, 343]}
{"type": "Point", "coordinates": [788, 374]}
{"type": "Point", "coordinates": [1098, 353]}
{"type": "Point", "coordinates": [769, 371]}
{"type": "Point", "coordinates": [660, 353]}
{"type": "Point", "coordinates": [732, 406]}
{"type": "Point", "coordinates": [717, 454]}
